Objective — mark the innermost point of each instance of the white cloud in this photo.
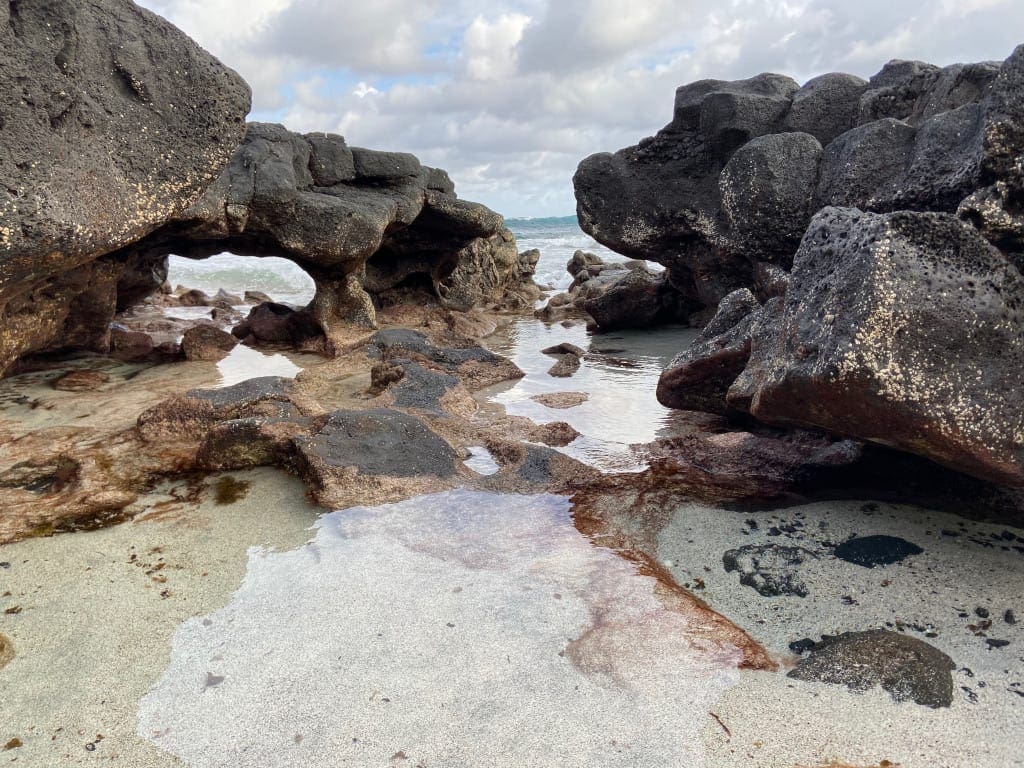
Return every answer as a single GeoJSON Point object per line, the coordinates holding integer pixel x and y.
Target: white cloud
{"type": "Point", "coordinates": [509, 95]}
{"type": "Point", "coordinates": [490, 48]}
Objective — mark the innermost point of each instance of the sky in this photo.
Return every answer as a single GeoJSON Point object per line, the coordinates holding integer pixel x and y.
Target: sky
{"type": "Point", "coordinates": [509, 95]}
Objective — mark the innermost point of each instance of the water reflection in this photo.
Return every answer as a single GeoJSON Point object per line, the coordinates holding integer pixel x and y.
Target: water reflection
{"type": "Point", "coordinates": [457, 629]}
{"type": "Point", "coordinates": [244, 363]}
{"type": "Point", "coordinates": [620, 374]}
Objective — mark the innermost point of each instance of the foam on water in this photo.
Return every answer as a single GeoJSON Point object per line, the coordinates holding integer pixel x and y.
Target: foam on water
{"type": "Point", "coordinates": [557, 238]}
{"type": "Point", "coordinates": [281, 279]}
{"type": "Point", "coordinates": [457, 629]}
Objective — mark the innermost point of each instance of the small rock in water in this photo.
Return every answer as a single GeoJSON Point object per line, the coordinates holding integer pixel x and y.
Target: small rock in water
{"type": "Point", "coordinates": [207, 342]}
{"type": "Point", "coordinates": [770, 569]}
{"type": "Point", "coordinates": [566, 366]}
{"type": "Point", "coordinates": [565, 348]}
{"type": "Point", "coordinates": [561, 400]}
{"type": "Point", "coordinates": [869, 551]}
{"type": "Point", "coordinates": [908, 668]}
{"type": "Point", "coordinates": [82, 380]}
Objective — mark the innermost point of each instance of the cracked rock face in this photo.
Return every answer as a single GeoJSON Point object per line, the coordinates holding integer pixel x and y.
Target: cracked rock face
{"type": "Point", "coordinates": [78, 183]}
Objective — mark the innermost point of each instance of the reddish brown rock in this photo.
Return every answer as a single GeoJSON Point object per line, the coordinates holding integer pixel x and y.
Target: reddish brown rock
{"type": "Point", "coordinates": [207, 342]}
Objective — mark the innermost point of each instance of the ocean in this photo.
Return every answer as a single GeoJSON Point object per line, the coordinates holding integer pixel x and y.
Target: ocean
{"type": "Point", "coordinates": [557, 238]}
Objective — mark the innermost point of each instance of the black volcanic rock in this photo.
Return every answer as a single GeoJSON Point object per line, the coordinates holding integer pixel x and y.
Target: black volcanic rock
{"type": "Point", "coordinates": [907, 668]}
{"type": "Point", "coordinates": [883, 232]}
{"type": "Point", "coordinates": [362, 223]}
{"type": "Point", "coordinates": [904, 329]}
{"type": "Point", "coordinates": [735, 178]}
{"type": "Point", "coordinates": [113, 123]}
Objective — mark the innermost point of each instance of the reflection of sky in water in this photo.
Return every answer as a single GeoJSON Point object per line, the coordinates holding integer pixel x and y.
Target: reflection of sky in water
{"type": "Point", "coordinates": [247, 363]}
{"type": "Point", "coordinates": [621, 377]}
{"type": "Point", "coordinates": [481, 461]}
{"type": "Point", "coordinates": [457, 629]}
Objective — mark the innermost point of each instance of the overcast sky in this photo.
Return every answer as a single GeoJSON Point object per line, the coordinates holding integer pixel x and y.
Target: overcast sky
{"type": "Point", "coordinates": [509, 95]}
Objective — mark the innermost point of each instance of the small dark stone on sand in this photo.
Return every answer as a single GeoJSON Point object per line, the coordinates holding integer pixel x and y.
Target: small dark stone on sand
{"type": "Point", "coordinates": [5, 565]}
{"type": "Point", "coordinates": [908, 668]}
{"type": "Point", "coordinates": [802, 646]}
{"type": "Point", "coordinates": [981, 612]}
{"type": "Point", "coordinates": [871, 551]}
{"type": "Point", "coordinates": [1009, 617]}
{"type": "Point", "coordinates": [993, 643]}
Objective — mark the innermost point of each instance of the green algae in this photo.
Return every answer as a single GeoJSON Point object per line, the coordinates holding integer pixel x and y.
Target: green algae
{"type": "Point", "coordinates": [228, 490]}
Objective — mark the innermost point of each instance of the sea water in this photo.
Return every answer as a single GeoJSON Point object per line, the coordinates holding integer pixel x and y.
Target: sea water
{"type": "Point", "coordinates": [557, 238]}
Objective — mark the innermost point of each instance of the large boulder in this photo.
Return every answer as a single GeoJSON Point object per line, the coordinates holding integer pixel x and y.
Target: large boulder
{"type": "Point", "coordinates": [699, 377]}
{"type": "Point", "coordinates": [733, 181]}
{"type": "Point", "coordinates": [903, 329]}
{"type": "Point", "coordinates": [113, 123]}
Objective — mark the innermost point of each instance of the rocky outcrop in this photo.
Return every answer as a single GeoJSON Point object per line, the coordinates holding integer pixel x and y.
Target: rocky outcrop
{"type": "Point", "coordinates": [615, 295]}
{"type": "Point", "coordinates": [367, 226]}
{"type": "Point", "coordinates": [904, 329]}
{"type": "Point", "coordinates": [733, 181]}
{"type": "Point", "coordinates": [113, 123]}
{"type": "Point", "coordinates": [862, 244]}
{"type": "Point", "coordinates": [125, 142]}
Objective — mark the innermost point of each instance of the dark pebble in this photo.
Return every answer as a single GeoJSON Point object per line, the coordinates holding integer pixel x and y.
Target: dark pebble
{"type": "Point", "coordinates": [5, 565]}
{"type": "Point", "coordinates": [1010, 617]}
{"type": "Point", "coordinates": [993, 643]}
{"type": "Point", "coordinates": [870, 551]}
{"type": "Point", "coordinates": [981, 613]}
{"type": "Point", "coordinates": [801, 646]}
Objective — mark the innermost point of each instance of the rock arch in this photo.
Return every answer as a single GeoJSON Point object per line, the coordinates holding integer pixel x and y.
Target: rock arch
{"type": "Point", "coordinates": [362, 223]}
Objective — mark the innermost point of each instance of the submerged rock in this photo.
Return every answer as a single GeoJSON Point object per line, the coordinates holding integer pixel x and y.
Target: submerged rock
{"type": "Point", "coordinates": [908, 668]}
{"type": "Point", "coordinates": [81, 380]}
{"type": "Point", "coordinates": [871, 551]}
{"type": "Point", "coordinates": [770, 569]}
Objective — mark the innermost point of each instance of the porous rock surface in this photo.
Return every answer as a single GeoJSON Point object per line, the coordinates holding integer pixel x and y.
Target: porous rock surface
{"type": "Point", "coordinates": [734, 179]}
{"type": "Point", "coordinates": [113, 122]}
{"type": "Point", "coordinates": [862, 241]}
{"type": "Point", "coordinates": [124, 142]}
{"type": "Point", "coordinates": [906, 331]}
{"type": "Point", "coordinates": [365, 225]}
{"type": "Point", "coordinates": [907, 668]}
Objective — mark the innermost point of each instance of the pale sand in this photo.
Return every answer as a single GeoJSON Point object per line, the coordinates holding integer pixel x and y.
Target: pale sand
{"type": "Point", "coordinates": [776, 721]}
{"type": "Point", "coordinates": [94, 632]}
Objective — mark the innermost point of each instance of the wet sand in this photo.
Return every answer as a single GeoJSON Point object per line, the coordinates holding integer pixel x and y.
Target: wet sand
{"type": "Point", "coordinates": [377, 637]}
{"type": "Point", "coordinates": [98, 610]}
